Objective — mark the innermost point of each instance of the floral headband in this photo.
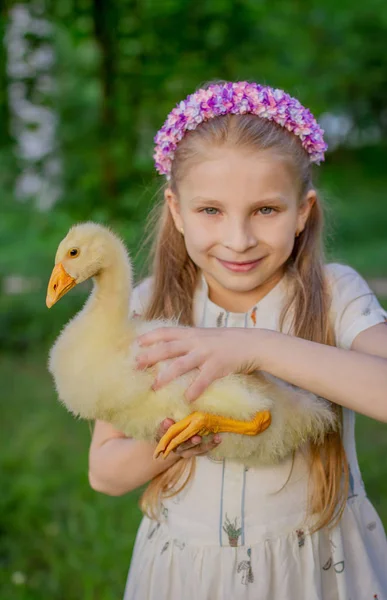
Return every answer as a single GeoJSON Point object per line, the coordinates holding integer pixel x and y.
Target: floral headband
{"type": "Point", "coordinates": [237, 98]}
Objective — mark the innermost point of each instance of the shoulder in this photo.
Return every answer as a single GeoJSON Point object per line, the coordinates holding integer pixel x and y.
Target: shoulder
{"type": "Point", "coordinates": [140, 296]}
{"type": "Point", "coordinates": [345, 282]}
{"type": "Point", "coordinates": [354, 306]}
{"type": "Point", "coordinates": [336, 272]}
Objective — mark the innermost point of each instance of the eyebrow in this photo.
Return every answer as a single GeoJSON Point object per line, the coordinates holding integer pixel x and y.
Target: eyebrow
{"type": "Point", "coordinates": [270, 200]}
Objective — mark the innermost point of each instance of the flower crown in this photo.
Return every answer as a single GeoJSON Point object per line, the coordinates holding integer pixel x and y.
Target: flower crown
{"type": "Point", "coordinates": [237, 98]}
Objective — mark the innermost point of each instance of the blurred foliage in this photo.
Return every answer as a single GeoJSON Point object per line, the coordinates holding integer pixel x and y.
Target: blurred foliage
{"type": "Point", "coordinates": [119, 68]}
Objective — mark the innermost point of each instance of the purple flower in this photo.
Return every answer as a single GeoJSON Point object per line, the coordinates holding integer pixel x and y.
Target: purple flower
{"type": "Point", "coordinates": [237, 98]}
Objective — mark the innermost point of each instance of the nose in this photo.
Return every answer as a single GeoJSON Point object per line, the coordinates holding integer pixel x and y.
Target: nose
{"type": "Point", "coordinates": [239, 237]}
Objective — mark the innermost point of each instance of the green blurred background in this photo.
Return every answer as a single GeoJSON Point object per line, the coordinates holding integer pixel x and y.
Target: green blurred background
{"type": "Point", "coordinates": [84, 86]}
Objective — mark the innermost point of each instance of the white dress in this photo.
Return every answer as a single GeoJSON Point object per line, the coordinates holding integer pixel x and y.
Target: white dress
{"type": "Point", "coordinates": [237, 533]}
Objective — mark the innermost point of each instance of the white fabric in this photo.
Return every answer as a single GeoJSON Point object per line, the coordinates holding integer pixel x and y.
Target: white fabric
{"type": "Point", "coordinates": [237, 533]}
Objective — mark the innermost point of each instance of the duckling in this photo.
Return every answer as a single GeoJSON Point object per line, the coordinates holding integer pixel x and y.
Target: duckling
{"type": "Point", "coordinates": [93, 366]}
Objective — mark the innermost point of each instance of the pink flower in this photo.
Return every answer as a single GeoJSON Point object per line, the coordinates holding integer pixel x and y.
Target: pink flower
{"type": "Point", "coordinates": [237, 98]}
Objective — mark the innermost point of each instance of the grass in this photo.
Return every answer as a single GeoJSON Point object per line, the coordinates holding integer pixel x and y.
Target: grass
{"type": "Point", "coordinates": [59, 539]}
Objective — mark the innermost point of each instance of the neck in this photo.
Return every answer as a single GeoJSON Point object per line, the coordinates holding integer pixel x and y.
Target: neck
{"type": "Point", "coordinates": [240, 302]}
{"type": "Point", "coordinates": [110, 298]}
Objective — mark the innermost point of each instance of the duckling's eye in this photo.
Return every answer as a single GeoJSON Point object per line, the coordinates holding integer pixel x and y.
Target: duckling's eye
{"type": "Point", "coordinates": [73, 252]}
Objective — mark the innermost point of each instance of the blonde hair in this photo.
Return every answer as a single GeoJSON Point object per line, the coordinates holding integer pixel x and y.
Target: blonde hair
{"type": "Point", "coordinates": [175, 278]}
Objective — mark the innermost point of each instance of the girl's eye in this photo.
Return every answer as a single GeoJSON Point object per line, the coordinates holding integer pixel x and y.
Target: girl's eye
{"type": "Point", "coordinates": [266, 210]}
{"type": "Point", "coordinates": [210, 208]}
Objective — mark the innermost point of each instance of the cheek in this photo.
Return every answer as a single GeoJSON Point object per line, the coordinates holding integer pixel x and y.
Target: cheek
{"type": "Point", "coordinates": [199, 241]}
{"type": "Point", "coordinates": [199, 233]}
{"type": "Point", "coordinates": [279, 229]}
{"type": "Point", "coordinates": [278, 233]}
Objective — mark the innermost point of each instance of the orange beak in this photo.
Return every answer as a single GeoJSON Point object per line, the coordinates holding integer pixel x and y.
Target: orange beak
{"type": "Point", "coordinates": [60, 283]}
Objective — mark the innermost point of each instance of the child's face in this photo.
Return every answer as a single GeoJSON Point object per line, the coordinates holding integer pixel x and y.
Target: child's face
{"type": "Point", "coordinates": [236, 207]}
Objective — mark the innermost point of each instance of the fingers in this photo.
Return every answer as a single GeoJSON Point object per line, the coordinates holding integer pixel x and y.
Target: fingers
{"type": "Point", "coordinates": [181, 365]}
{"type": "Point", "coordinates": [199, 449]}
{"type": "Point", "coordinates": [200, 383]}
{"type": "Point", "coordinates": [159, 352]}
{"type": "Point", "coordinates": [163, 334]}
{"type": "Point", "coordinates": [164, 426]}
{"type": "Point", "coordinates": [189, 444]}
{"type": "Point", "coordinates": [192, 447]}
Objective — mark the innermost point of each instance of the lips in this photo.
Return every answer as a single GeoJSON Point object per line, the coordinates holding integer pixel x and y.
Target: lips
{"type": "Point", "coordinates": [240, 266]}
{"type": "Point", "coordinates": [247, 262]}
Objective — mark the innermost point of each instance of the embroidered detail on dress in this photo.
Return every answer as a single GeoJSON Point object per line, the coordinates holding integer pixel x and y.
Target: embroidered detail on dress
{"type": "Point", "coordinates": [253, 316]}
{"type": "Point", "coordinates": [219, 319]}
{"type": "Point", "coordinates": [179, 544]}
{"type": "Point", "coordinates": [371, 526]}
{"type": "Point", "coordinates": [366, 312]}
{"type": "Point", "coordinates": [247, 571]}
{"type": "Point", "coordinates": [135, 315]}
{"type": "Point", "coordinates": [327, 565]}
{"type": "Point", "coordinates": [232, 531]}
{"type": "Point", "coordinates": [338, 567]}
{"type": "Point", "coordinates": [176, 542]}
{"type": "Point", "coordinates": [164, 511]}
{"type": "Point", "coordinates": [153, 531]}
{"type": "Point", "coordinates": [164, 548]}
{"type": "Point", "coordinates": [301, 537]}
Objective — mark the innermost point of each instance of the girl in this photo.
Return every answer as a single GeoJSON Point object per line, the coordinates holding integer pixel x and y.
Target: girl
{"type": "Point", "coordinates": [237, 254]}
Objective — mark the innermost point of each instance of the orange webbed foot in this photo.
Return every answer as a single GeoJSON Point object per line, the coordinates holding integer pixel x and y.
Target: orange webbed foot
{"type": "Point", "coordinates": [199, 423]}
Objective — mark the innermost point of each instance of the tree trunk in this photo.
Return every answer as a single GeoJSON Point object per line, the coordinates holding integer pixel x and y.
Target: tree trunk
{"type": "Point", "coordinates": [104, 13]}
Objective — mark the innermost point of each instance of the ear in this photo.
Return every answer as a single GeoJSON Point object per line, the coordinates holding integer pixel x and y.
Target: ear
{"type": "Point", "coordinates": [304, 210]}
{"type": "Point", "coordinates": [174, 207]}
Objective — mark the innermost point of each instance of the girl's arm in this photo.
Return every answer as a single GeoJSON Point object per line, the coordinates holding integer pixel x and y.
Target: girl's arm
{"type": "Point", "coordinates": [118, 464]}
{"type": "Point", "coordinates": [356, 378]}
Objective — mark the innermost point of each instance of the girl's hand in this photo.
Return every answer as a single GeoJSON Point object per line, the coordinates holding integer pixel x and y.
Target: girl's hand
{"type": "Point", "coordinates": [214, 352]}
{"type": "Point", "coordinates": [192, 447]}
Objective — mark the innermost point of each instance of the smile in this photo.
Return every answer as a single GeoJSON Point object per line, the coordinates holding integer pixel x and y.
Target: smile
{"type": "Point", "coordinates": [240, 266]}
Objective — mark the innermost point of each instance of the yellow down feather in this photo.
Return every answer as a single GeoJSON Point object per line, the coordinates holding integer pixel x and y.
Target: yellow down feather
{"type": "Point", "coordinates": [93, 366]}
